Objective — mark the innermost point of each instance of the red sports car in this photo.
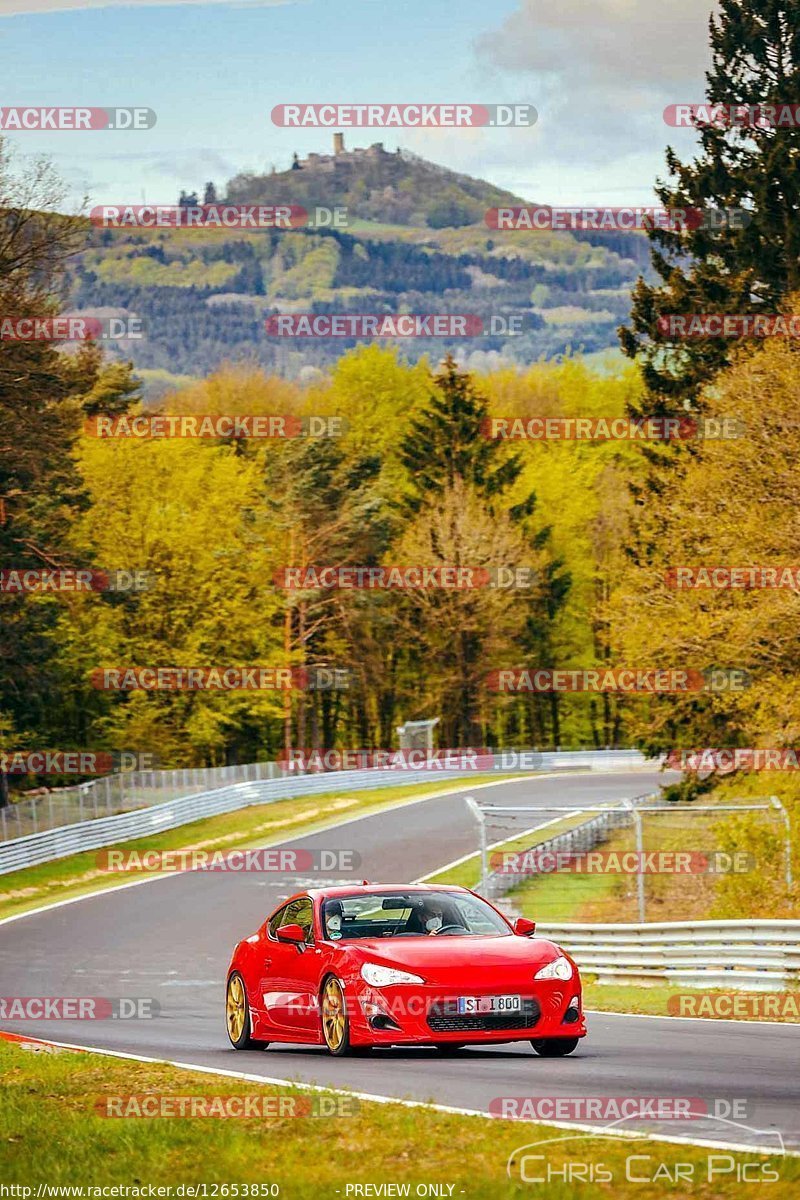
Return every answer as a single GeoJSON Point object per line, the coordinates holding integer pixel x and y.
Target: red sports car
{"type": "Point", "coordinates": [353, 967]}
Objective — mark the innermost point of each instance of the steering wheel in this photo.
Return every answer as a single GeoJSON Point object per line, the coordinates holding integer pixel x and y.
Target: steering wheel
{"type": "Point", "coordinates": [444, 929]}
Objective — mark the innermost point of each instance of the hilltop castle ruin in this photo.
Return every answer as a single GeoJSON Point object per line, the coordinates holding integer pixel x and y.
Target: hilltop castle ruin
{"type": "Point", "coordinates": [341, 159]}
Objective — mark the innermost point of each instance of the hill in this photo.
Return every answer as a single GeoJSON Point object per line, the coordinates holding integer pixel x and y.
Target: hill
{"type": "Point", "coordinates": [390, 188]}
{"type": "Point", "coordinates": [415, 241]}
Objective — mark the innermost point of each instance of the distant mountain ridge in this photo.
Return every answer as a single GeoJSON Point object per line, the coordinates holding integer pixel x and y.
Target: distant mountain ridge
{"type": "Point", "coordinates": [415, 241]}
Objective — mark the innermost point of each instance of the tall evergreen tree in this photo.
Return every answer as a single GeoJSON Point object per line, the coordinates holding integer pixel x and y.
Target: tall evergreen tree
{"type": "Point", "coordinates": [445, 443]}
{"type": "Point", "coordinates": [755, 47]}
{"type": "Point", "coordinates": [444, 450]}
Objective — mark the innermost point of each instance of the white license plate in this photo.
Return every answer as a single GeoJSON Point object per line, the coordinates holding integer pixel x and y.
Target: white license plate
{"type": "Point", "coordinates": [489, 1004]}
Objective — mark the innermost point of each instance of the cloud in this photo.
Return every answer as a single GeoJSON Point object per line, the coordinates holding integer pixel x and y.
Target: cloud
{"type": "Point", "coordinates": [16, 8]}
{"type": "Point", "coordinates": [601, 74]}
{"type": "Point", "coordinates": [607, 42]}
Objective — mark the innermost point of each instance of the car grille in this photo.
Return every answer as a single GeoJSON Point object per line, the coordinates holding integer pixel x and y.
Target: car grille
{"type": "Point", "coordinates": [444, 1017]}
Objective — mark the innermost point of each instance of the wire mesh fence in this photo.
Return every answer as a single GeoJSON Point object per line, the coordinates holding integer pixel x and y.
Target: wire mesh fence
{"type": "Point", "coordinates": [125, 792]}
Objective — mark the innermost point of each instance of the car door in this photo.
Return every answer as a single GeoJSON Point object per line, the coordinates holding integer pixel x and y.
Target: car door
{"type": "Point", "coordinates": [290, 988]}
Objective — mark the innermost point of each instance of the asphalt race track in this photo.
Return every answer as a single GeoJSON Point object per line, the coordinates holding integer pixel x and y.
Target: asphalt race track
{"type": "Point", "coordinates": [171, 939]}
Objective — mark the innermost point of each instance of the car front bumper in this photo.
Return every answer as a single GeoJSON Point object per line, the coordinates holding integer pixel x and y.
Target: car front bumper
{"type": "Point", "coordinates": [427, 1014]}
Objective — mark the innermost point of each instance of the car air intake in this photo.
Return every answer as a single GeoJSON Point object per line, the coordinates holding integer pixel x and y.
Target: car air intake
{"type": "Point", "coordinates": [573, 1013]}
{"type": "Point", "coordinates": [443, 1018]}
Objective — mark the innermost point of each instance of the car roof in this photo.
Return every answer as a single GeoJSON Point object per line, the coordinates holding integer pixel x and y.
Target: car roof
{"type": "Point", "coordinates": [365, 889]}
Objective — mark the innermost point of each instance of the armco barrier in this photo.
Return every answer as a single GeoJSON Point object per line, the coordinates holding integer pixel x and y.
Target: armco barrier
{"type": "Point", "coordinates": [756, 955]}
{"type": "Point", "coordinates": [106, 831]}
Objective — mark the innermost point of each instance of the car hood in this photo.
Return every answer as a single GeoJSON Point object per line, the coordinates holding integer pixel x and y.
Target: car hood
{"type": "Point", "coordinates": [437, 958]}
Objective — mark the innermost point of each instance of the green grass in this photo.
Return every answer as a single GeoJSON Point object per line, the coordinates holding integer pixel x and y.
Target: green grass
{"type": "Point", "coordinates": [79, 873]}
{"type": "Point", "coordinates": [611, 897]}
{"type": "Point", "coordinates": [562, 896]}
{"type": "Point", "coordinates": [52, 1133]}
{"type": "Point", "coordinates": [654, 1000]}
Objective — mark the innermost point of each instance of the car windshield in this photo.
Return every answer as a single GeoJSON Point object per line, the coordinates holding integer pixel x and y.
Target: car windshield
{"type": "Point", "coordinates": [409, 914]}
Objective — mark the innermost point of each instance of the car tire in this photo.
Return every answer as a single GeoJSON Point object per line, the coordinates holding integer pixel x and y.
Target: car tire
{"type": "Point", "coordinates": [237, 1016]}
{"type": "Point", "coordinates": [554, 1047]}
{"type": "Point", "coordinates": [335, 1021]}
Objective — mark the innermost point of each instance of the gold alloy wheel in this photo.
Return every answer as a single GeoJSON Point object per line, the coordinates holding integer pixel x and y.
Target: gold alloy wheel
{"type": "Point", "coordinates": [235, 1008]}
{"type": "Point", "coordinates": [334, 1019]}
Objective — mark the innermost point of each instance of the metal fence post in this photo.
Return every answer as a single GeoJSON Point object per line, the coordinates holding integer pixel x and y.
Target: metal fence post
{"type": "Point", "coordinates": [484, 849]}
{"type": "Point", "coordinates": [637, 820]}
{"type": "Point", "coordinates": [788, 849]}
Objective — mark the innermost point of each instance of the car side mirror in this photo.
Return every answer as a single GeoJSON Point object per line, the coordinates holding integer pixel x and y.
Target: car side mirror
{"type": "Point", "coordinates": [292, 933]}
{"type": "Point", "coordinates": [524, 926]}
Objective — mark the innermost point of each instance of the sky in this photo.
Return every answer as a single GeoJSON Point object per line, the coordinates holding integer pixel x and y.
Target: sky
{"type": "Point", "coordinates": [599, 73]}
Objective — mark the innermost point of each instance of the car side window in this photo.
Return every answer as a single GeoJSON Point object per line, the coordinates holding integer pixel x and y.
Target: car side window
{"type": "Point", "coordinates": [299, 912]}
{"type": "Point", "coordinates": [274, 922]}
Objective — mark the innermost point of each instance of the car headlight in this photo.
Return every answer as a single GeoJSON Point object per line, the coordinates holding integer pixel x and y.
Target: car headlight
{"type": "Point", "coordinates": [381, 976]}
{"type": "Point", "coordinates": [559, 968]}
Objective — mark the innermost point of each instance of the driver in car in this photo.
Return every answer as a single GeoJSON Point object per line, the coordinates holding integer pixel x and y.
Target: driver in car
{"type": "Point", "coordinates": [334, 911]}
{"type": "Point", "coordinates": [434, 918]}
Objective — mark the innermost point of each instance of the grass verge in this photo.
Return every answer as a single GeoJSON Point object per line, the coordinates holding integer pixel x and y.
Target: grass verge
{"type": "Point", "coordinates": [51, 1132]}
{"type": "Point", "coordinates": [668, 1000]}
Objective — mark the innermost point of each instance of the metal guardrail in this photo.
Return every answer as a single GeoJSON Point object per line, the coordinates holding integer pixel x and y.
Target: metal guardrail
{"type": "Point", "coordinates": [131, 790]}
{"type": "Point", "coordinates": [757, 955]}
{"type": "Point", "coordinates": [107, 831]}
{"type": "Point", "coordinates": [256, 788]}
